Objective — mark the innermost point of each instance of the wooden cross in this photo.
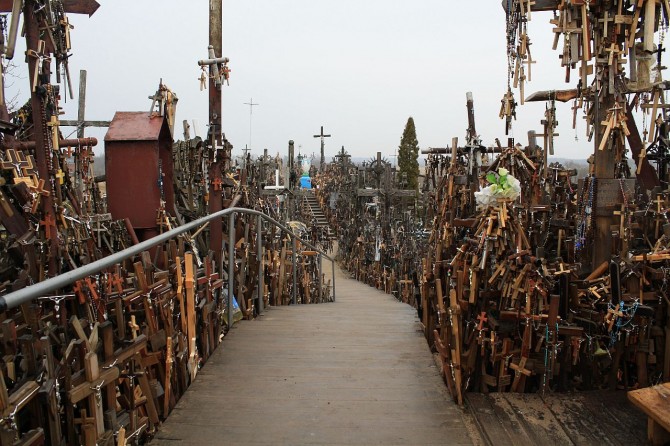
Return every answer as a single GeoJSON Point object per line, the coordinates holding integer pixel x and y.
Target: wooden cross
{"type": "Point", "coordinates": [22, 166]}
{"type": "Point", "coordinates": [48, 222]}
{"type": "Point", "coordinates": [39, 192]}
{"type": "Point", "coordinates": [323, 144]}
{"type": "Point", "coordinates": [622, 216]}
{"type": "Point", "coordinates": [60, 175]}
{"type": "Point", "coordinates": [88, 429]}
{"type": "Point", "coordinates": [65, 24]}
{"type": "Point", "coordinates": [520, 373]}
{"type": "Point", "coordinates": [605, 21]}
{"type": "Point", "coordinates": [91, 388]}
{"type": "Point", "coordinates": [503, 378]}
{"type": "Point", "coordinates": [613, 51]}
{"type": "Point", "coordinates": [39, 58]}
{"type": "Point", "coordinates": [612, 315]}
{"type": "Point", "coordinates": [53, 127]}
{"type": "Point", "coordinates": [217, 183]}
{"type": "Point", "coordinates": [614, 119]}
{"type": "Point", "coordinates": [642, 156]}
{"type": "Point", "coordinates": [99, 306]}
{"type": "Point", "coordinates": [134, 328]}
{"type": "Point", "coordinates": [114, 280]}
{"type": "Point", "coordinates": [81, 123]}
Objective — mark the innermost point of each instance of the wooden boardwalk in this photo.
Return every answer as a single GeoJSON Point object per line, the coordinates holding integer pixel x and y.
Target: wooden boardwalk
{"type": "Point", "coordinates": [354, 372]}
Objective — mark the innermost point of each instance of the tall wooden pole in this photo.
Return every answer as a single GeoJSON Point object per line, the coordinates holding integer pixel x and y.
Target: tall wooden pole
{"type": "Point", "coordinates": [215, 135]}
{"type": "Point", "coordinates": [604, 171]}
{"type": "Point", "coordinates": [43, 155]}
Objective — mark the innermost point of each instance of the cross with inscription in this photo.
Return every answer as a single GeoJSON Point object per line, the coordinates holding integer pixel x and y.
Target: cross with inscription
{"type": "Point", "coordinates": [323, 143]}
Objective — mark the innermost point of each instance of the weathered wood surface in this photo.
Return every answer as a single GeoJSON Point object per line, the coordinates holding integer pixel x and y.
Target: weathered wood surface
{"type": "Point", "coordinates": [357, 371]}
{"type": "Point", "coordinates": [585, 418]}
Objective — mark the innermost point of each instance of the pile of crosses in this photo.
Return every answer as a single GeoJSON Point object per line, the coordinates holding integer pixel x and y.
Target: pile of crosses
{"type": "Point", "coordinates": [375, 215]}
{"type": "Point", "coordinates": [104, 360]}
{"type": "Point", "coordinates": [564, 287]}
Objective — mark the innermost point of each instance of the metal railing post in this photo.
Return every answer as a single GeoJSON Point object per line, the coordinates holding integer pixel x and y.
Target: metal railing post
{"type": "Point", "coordinates": [261, 275]}
{"type": "Point", "coordinates": [320, 278]}
{"type": "Point", "coordinates": [231, 267]}
{"type": "Point", "coordinates": [332, 263]}
{"type": "Point", "coordinates": [294, 260]}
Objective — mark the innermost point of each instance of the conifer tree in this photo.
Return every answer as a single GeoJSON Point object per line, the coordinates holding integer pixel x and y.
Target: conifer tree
{"type": "Point", "coordinates": [408, 155]}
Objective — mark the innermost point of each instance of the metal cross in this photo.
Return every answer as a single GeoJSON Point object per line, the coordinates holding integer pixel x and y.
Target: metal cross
{"type": "Point", "coordinates": [251, 105]}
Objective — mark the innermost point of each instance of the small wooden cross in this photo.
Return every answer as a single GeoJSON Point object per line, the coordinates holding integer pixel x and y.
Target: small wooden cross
{"type": "Point", "coordinates": [134, 328]}
{"type": "Point", "coordinates": [88, 428]}
{"type": "Point", "coordinates": [115, 281]}
{"type": "Point", "coordinates": [23, 166]}
{"type": "Point", "coordinates": [93, 290]}
{"type": "Point", "coordinates": [482, 320]}
{"type": "Point", "coordinates": [217, 183]}
{"type": "Point", "coordinates": [39, 57]}
{"type": "Point", "coordinates": [48, 222]}
{"type": "Point", "coordinates": [520, 373]}
{"type": "Point", "coordinates": [622, 217]}
{"type": "Point", "coordinates": [612, 315]}
{"type": "Point", "coordinates": [60, 175]}
{"type": "Point", "coordinates": [641, 156]}
{"type": "Point", "coordinates": [39, 192]}
{"type": "Point", "coordinates": [605, 21]}
{"type": "Point", "coordinates": [65, 23]}
{"type": "Point", "coordinates": [53, 126]}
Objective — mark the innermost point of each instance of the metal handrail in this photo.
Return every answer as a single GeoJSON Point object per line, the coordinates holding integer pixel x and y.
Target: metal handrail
{"type": "Point", "coordinates": [40, 289]}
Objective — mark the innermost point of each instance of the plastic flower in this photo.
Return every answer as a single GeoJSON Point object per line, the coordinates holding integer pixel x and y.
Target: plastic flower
{"type": "Point", "coordinates": [502, 185]}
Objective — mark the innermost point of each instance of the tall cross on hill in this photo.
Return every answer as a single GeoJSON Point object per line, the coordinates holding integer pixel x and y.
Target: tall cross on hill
{"type": "Point", "coordinates": [251, 105]}
{"type": "Point", "coordinates": [322, 136]}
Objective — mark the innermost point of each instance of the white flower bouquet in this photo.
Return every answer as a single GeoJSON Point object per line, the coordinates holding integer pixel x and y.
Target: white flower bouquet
{"type": "Point", "coordinates": [502, 186]}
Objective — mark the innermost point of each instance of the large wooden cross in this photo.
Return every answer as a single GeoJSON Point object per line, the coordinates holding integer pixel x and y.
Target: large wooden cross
{"type": "Point", "coordinates": [81, 123]}
{"type": "Point", "coordinates": [323, 143]}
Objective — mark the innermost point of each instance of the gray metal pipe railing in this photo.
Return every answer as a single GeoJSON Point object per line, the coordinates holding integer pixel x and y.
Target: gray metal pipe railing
{"type": "Point", "coordinates": [41, 289]}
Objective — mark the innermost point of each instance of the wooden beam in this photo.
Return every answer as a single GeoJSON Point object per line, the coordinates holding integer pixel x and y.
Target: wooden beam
{"type": "Point", "coordinates": [70, 6]}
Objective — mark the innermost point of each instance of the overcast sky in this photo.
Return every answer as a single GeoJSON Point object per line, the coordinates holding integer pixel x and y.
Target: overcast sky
{"type": "Point", "coordinates": [360, 68]}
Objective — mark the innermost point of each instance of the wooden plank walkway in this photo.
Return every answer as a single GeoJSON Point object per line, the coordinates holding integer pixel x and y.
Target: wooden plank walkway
{"type": "Point", "coordinates": [354, 372]}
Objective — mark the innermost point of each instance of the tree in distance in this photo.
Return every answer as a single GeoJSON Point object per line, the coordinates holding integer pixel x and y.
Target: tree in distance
{"type": "Point", "coordinates": [408, 156]}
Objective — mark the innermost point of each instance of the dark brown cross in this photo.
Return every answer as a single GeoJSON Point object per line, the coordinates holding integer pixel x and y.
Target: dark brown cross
{"type": "Point", "coordinates": [323, 144]}
{"type": "Point", "coordinates": [21, 165]}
